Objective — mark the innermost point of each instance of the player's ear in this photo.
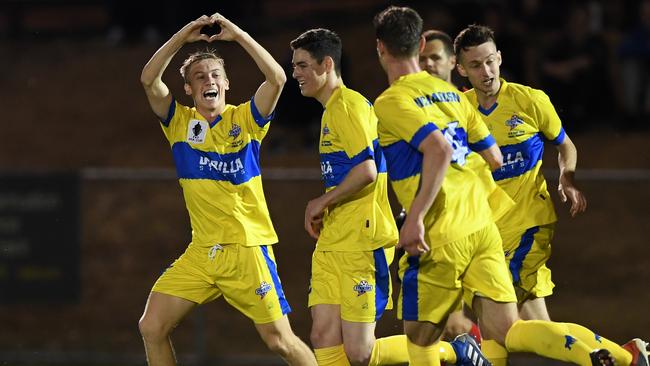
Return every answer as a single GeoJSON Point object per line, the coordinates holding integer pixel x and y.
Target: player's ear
{"type": "Point", "coordinates": [227, 86]}
{"type": "Point", "coordinates": [328, 62]}
{"type": "Point", "coordinates": [499, 57]}
{"type": "Point", "coordinates": [461, 70]}
{"type": "Point", "coordinates": [452, 61]}
{"type": "Point", "coordinates": [423, 42]}
{"type": "Point", "coordinates": [381, 48]}
{"type": "Point", "coordinates": [188, 88]}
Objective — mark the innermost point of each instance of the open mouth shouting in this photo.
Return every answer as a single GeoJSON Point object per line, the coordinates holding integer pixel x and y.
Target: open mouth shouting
{"type": "Point", "coordinates": [211, 94]}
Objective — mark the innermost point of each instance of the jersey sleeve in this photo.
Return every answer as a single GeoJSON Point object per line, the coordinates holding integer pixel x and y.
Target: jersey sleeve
{"type": "Point", "coordinates": [171, 125]}
{"type": "Point", "coordinates": [253, 120]}
{"type": "Point", "coordinates": [478, 135]}
{"type": "Point", "coordinates": [401, 117]}
{"type": "Point", "coordinates": [548, 122]}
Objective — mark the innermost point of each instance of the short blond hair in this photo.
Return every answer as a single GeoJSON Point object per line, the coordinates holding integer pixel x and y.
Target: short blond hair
{"type": "Point", "coordinates": [208, 54]}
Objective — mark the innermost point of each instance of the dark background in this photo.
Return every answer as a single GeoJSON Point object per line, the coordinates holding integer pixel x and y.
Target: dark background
{"type": "Point", "coordinates": [72, 103]}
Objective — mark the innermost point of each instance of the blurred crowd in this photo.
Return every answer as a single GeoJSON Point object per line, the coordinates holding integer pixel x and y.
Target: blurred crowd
{"type": "Point", "coordinates": [592, 57]}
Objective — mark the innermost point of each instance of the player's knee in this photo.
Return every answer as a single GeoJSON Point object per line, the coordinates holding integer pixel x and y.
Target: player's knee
{"type": "Point", "coordinates": [320, 335]}
{"type": "Point", "coordinates": [358, 354]}
{"type": "Point", "coordinates": [280, 344]}
{"type": "Point", "coordinates": [152, 329]}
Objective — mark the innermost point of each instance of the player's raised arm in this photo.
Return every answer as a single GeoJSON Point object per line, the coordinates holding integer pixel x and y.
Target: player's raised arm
{"type": "Point", "coordinates": [266, 96]}
{"type": "Point", "coordinates": [151, 77]}
{"type": "Point", "coordinates": [567, 160]}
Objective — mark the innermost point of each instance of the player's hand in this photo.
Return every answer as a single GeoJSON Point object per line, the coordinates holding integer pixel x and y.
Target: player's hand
{"type": "Point", "coordinates": [314, 217]}
{"type": "Point", "coordinates": [229, 31]}
{"type": "Point", "coordinates": [192, 31]}
{"type": "Point", "coordinates": [411, 237]}
{"type": "Point", "coordinates": [568, 191]}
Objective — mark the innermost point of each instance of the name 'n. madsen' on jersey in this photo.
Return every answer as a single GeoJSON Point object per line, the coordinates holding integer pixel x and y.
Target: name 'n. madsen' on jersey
{"type": "Point", "coordinates": [438, 97]}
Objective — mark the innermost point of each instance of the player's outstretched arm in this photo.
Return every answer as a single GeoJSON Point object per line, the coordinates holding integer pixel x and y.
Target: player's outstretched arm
{"type": "Point", "coordinates": [567, 160]}
{"type": "Point", "coordinates": [357, 178]}
{"type": "Point", "coordinates": [436, 154]}
{"type": "Point", "coordinates": [151, 77]}
{"type": "Point", "coordinates": [266, 96]}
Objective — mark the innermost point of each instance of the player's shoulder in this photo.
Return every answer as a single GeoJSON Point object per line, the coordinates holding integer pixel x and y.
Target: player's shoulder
{"type": "Point", "coordinates": [353, 99]}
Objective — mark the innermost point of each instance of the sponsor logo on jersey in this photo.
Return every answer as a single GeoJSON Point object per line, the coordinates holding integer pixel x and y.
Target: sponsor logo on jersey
{"type": "Point", "coordinates": [233, 166]}
{"type": "Point", "coordinates": [326, 169]}
{"type": "Point", "coordinates": [326, 130]}
{"type": "Point", "coordinates": [263, 289]}
{"type": "Point", "coordinates": [362, 287]}
{"type": "Point", "coordinates": [196, 131]}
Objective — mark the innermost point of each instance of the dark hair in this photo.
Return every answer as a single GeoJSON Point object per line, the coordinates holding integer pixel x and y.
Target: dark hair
{"type": "Point", "coordinates": [400, 29]}
{"type": "Point", "coordinates": [432, 35]}
{"type": "Point", "coordinates": [473, 36]}
{"type": "Point", "coordinates": [199, 56]}
{"type": "Point", "coordinates": [320, 43]}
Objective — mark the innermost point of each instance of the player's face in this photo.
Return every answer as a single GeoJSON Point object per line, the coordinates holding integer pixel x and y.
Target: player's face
{"type": "Point", "coordinates": [435, 60]}
{"type": "Point", "coordinates": [207, 84]}
{"type": "Point", "coordinates": [480, 64]}
{"type": "Point", "coordinates": [311, 75]}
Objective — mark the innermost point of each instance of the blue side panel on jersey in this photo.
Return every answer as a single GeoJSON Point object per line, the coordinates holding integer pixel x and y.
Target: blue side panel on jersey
{"type": "Point", "coordinates": [273, 269]}
{"type": "Point", "coordinates": [422, 133]}
{"type": "Point", "coordinates": [560, 137]}
{"type": "Point", "coordinates": [382, 278]}
{"type": "Point", "coordinates": [403, 160]}
{"type": "Point", "coordinates": [525, 244]}
{"type": "Point", "coordinates": [257, 116]}
{"type": "Point", "coordinates": [380, 159]}
{"type": "Point", "coordinates": [483, 144]}
{"type": "Point", "coordinates": [520, 158]}
{"type": "Point", "coordinates": [410, 290]}
{"type": "Point", "coordinates": [170, 113]}
{"type": "Point", "coordinates": [236, 168]}
{"type": "Point", "coordinates": [336, 165]}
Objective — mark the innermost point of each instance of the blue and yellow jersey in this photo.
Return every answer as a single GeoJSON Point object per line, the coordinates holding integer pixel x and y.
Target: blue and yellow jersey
{"type": "Point", "coordinates": [409, 110]}
{"type": "Point", "coordinates": [364, 221]}
{"type": "Point", "coordinates": [520, 120]}
{"type": "Point", "coordinates": [218, 167]}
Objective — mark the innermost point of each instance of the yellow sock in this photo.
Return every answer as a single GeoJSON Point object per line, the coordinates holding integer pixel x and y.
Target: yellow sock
{"type": "Point", "coordinates": [594, 341]}
{"type": "Point", "coordinates": [447, 353]}
{"type": "Point", "coordinates": [331, 356]}
{"type": "Point", "coordinates": [496, 353]}
{"type": "Point", "coordinates": [422, 356]}
{"type": "Point", "coordinates": [548, 339]}
{"type": "Point", "coordinates": [389, 351]}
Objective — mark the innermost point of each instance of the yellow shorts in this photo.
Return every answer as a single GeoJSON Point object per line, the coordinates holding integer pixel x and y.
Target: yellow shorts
{"type": "Point", "coordinates": [526, 255]}
{"type": "Point", "coordinates": [247, 277]}
{"type": "Point", "coordinates": [435, 283]}
{"type": "Point", "coordinates": [358, 281]}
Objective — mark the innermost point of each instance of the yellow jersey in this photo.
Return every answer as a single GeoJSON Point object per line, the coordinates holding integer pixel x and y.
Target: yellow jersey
{"type": "Point", "coordinates": [414, 106]}
{"type": "Point", "coordinates": [520, 120]}
{"type": "Point", "coordinates": [218, 167]}
{"type": "Point", "coordinates": [364, 221]}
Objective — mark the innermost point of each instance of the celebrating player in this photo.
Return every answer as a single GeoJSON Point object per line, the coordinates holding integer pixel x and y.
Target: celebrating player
{"type": "Point", "coordinates": [520, 118]}
{"type": "Point", "coordinates": [216, 151]}
{"type": "Point", "coordinates": [352, 220]}
{"type": "Point", "coordinates": [426, 128]}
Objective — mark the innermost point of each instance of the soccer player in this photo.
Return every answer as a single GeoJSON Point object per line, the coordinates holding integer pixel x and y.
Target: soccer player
{"type": "Point", "coordinates": [216, 151]}
{"type": "Point", "coordinates": [426, 129]}
{"type": "Point", "coordinates": [520, 118]}
{"type": "Point", "coordinates": [352, 221]}
{"type": "Point", "coordinates": [439, 60]}
{"type": "Point", "coordinates": [438, 57]}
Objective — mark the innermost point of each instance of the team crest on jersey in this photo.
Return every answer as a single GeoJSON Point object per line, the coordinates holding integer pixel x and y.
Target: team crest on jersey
{"type": "Point", "coordinates": [326, 130]}
{"type": "Point", "coordinates": [514, 121]}
{"type": "Point", "coordinates": [263, 289]}
{"type": "Point", "coordinates": [362, 287]}
{"type": "Point", "coordinates": [234, 131]}
{"type": "Point", "coordinates": [196, 131]}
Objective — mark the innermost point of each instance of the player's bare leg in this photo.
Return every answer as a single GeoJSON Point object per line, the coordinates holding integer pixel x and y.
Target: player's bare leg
{"type": "Point", "coordinates": [534, 309]}
{"type": "Point", "coordinates": [161, 315]}
{"type": "Point", "coordinates": [358, 341]}
{"type": "Point", "coordinates": [280, 339]}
